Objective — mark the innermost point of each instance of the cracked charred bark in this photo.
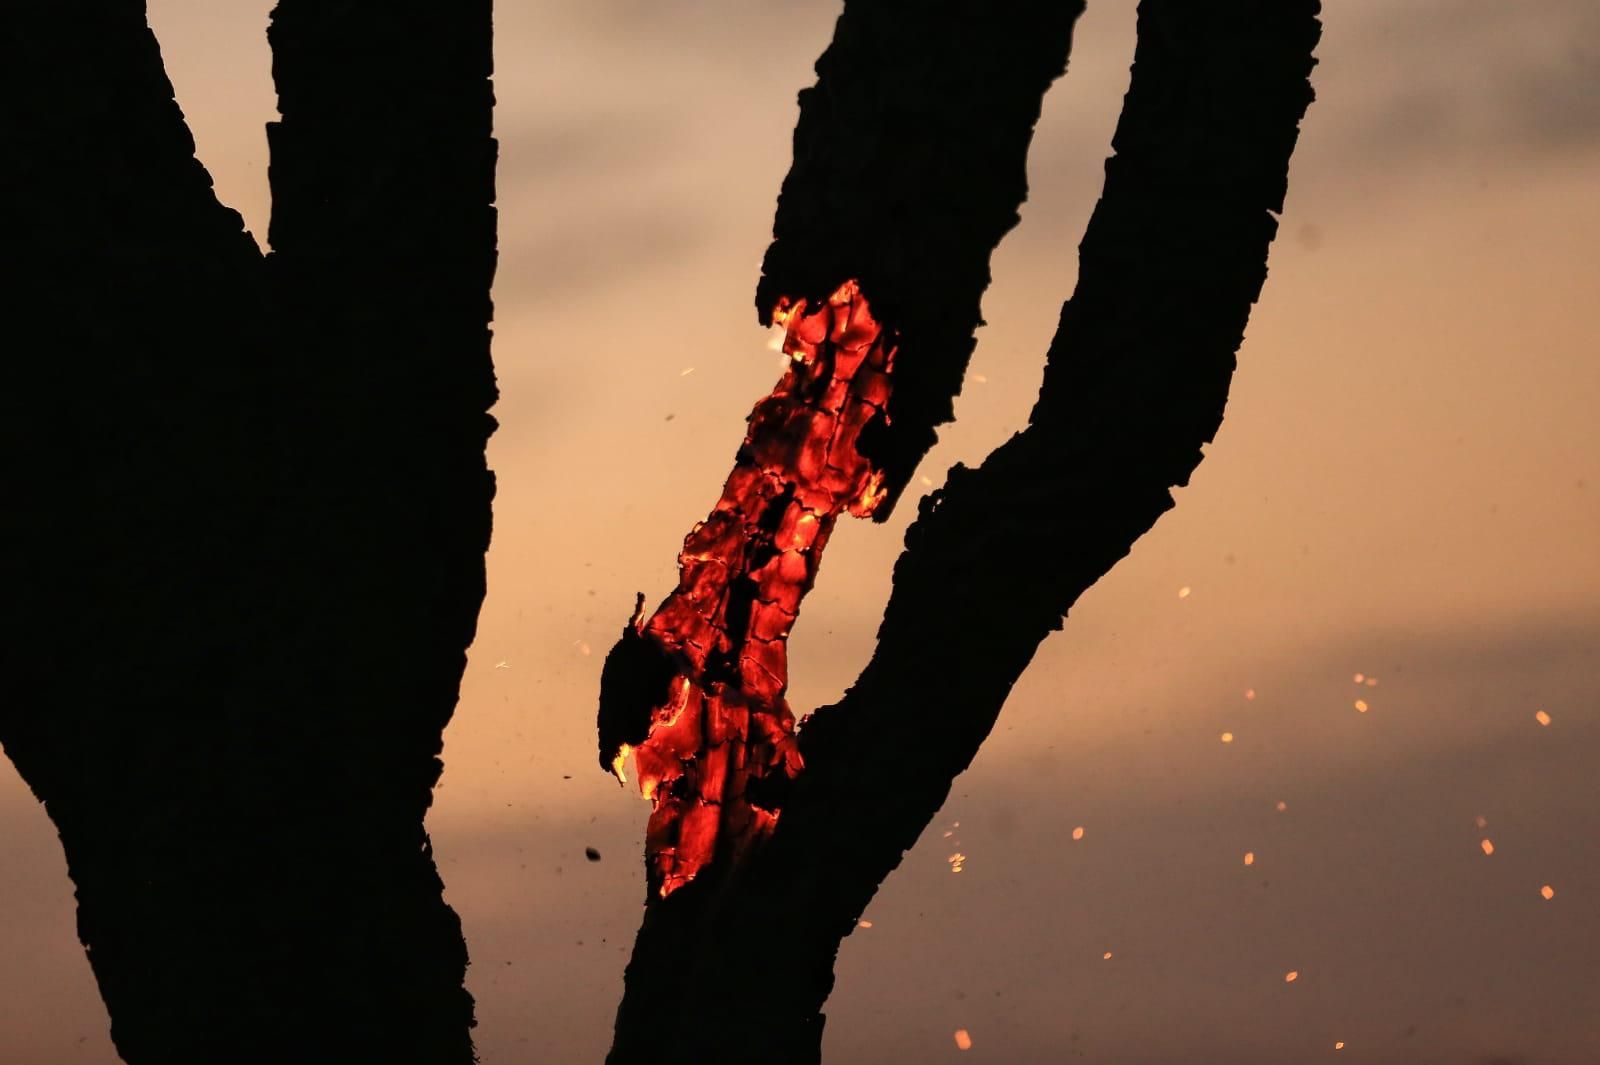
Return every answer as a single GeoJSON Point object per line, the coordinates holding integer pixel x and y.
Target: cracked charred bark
{"type": "Point", "coordinates": [1135, 385]}
{"type": "Point", "coordinates": [246, 511]}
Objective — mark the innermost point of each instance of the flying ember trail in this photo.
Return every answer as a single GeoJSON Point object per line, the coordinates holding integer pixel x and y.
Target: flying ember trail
{"type": "Point", "coordinates": [696, 692]}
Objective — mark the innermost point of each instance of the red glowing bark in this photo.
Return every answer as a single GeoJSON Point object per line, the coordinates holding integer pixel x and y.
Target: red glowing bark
{"type": "Point", "coordinates": [724, 728]}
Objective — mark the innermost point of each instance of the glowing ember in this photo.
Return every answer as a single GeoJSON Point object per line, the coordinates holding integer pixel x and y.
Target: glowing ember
{"type": "Point", "coordinates": [1359, 677]}
{"type": "Point", "coordinates": [1249, 857]}
{"type": "Point", "coordinates": [719, 739]}
{"type": "Point", "coordinates": [1282, 806]}
{"type": "Point", "coordinates": [1106, 956]}
{"type": "Point", "coordinates": [1183, 593]}
{"type": "Point", "coordinates": [864, 924]}
{"type": "Point", "coordinates": [963, 1039]}
{"type": "Point", "coordinates": [1488, 847]}
{"type": "Point", "coordinates": [1339, 1045]}
{"type": "Point", "coordinates": [1548, 892]}
{"type": "Point", "coordinates": [1249, 693]}
{"type": "Point", "coordinates": [1227, 737]}
{"type": "Point", "coordinates": [1291, 976]}
{"type": "Point", "coordinates": [1542, 717]}
{"type": "Point", "coordinates": [1361, 706]}
{"type": "Point", "coordinates": [956, 860]}
{"type": "Point", "coordinates": [1077, 833]}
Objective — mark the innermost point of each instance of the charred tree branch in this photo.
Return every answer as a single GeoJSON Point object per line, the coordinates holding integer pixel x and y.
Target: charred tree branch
{"type": "Point", "coordinates": [910, 162]}
{"type": "Point", "coordinates": [1137, 378]}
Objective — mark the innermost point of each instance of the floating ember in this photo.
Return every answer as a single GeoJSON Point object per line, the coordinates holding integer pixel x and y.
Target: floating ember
{"type": "Point", "coordinates": [696, 692]}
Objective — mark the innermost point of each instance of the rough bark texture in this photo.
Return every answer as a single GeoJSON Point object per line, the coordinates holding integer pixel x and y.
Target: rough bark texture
{"type": "Point", "coordinates": [1137, 378]}
{"type": "Point", "coordinates": [246, 514]}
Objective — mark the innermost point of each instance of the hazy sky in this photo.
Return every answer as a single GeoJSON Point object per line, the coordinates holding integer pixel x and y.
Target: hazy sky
{"type": "Point", "coordinates": [1407, 486]}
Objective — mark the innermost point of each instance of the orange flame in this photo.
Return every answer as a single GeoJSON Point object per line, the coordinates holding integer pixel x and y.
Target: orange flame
{"type": "Point", "coordinates": [742, 573]}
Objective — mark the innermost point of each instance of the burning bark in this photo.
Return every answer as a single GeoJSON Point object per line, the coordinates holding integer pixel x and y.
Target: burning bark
{"type": "Point", "coordinates": [1135, 384]}
{"type": "Point", "coordinates": [713, 745]}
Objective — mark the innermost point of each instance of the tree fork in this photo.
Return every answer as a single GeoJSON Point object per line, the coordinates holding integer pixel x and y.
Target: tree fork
{"type": "Point", "coordinates": [1135, 384]}
{"type": "Point", "coordinates": [246, 517]}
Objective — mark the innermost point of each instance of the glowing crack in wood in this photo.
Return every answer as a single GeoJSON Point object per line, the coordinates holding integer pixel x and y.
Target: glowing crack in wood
{"type": "Point", "coordinates": [695, 693]}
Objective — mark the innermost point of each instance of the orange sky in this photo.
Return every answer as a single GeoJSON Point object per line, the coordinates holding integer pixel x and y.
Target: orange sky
{"type": "Point", "coordinates": [1407, 485]}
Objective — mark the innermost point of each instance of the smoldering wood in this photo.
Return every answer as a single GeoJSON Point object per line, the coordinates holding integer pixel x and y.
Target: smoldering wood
{"type": "Point", "coordinates": [737, 966]}
{"type": "Point", "coordinates": [246, 513]}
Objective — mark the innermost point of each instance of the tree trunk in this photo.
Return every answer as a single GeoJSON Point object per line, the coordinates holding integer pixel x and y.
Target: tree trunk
{"type": "Point", "coordinates": [246, 516]}
{"type": "Point", "coordinates": [1135, 385]}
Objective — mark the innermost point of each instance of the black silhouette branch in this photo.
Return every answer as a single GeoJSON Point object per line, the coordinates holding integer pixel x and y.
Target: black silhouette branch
{"type": "Point", "coordinates": [1135, 386]}
{"type": "Point", "coordinates": [246, 516]}
{"type": "Point", "coordinates": [910, 162]}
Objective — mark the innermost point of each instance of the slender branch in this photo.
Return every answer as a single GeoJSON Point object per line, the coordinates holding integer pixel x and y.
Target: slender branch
{"type": "Point", "coordinates": [1137, 378]}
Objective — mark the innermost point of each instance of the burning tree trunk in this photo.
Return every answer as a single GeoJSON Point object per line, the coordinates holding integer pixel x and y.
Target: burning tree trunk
{"type": "Point", "coordinates": [1135, 384]}
{"type": "Point", "coordinates": [246, 514]}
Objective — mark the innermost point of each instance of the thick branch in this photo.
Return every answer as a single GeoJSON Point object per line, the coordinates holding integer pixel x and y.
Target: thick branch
{"type": "Point", "coordinates": [249, 529]}
{"type": "Point", "coordinates": [1137, 379]}
{"type": "Point", "coordinates": [910, 161]}
{"type": "Point", "coordinates": [132, 312]}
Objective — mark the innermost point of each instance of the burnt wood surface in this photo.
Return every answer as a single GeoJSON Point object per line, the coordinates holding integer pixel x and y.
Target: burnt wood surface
{"type": "Point", "coordinates": [246, 511]}
{"type": "Point", "coordinates": [737, 965]}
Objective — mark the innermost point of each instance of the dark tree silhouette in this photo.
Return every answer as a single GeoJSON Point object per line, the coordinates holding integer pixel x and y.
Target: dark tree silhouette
{"type": "Point", "coordinates": [247, 502]}
{"type": "Point", "coordinates": [908, 168]}
{"type": "Point", "coordinates": [246, 511]}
